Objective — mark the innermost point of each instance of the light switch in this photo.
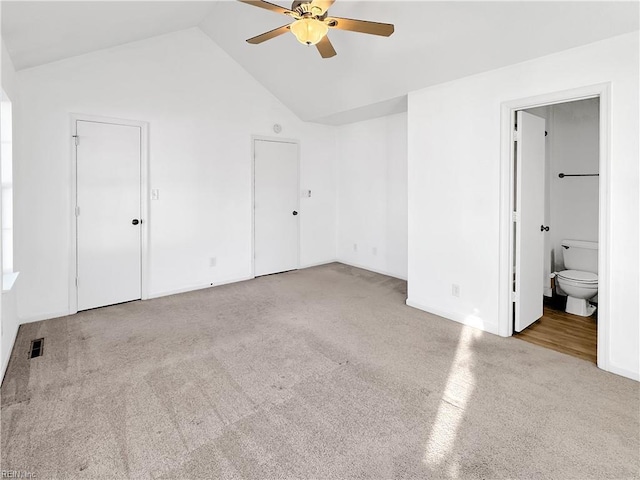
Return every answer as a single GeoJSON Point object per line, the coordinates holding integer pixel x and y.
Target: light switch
{"type": "Point", "coordinates": [155, 194]}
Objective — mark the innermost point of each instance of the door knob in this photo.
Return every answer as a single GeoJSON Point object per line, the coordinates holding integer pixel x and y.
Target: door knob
{"type": "Point", "coordinates": [295, 213]}
{"type": "Point", "coordinates": [543, 228]}
{"type": "Point", "coordinates": [135, 221]}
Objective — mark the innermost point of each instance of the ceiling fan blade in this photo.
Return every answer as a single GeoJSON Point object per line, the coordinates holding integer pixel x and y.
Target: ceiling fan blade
{"type": "Point", "coordinates": [276, 32]}
{"type": "Point", "coordinates": [323, 4]}
{"type": "Point", "coordinates": [267, 6]}
{"type": "Point", "coordinates": [361, 26]}
{"type": "Point", "coordinates": [325, 48]}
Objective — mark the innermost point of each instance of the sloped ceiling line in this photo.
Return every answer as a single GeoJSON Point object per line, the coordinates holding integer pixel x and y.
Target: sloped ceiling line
{"type": "Point", "coordinates": [434, 42]}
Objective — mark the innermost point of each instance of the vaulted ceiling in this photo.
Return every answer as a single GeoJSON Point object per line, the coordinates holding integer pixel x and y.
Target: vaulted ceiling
{"type": "Point", "coordinates": [433, 42]}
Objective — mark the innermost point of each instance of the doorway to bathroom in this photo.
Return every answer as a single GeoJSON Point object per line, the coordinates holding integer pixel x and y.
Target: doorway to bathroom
{"type": "Point", "coordinates": [555, 213]}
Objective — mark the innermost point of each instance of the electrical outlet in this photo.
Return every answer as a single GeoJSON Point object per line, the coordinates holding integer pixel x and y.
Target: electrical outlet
{"type": "Point", "coordinates": [212, 262]}
{"type": "Point", "coordinates": [355, 247]}
{"type": "Point", "coordinates": [155, 194]}
{"type": "Point", "coordinates": [455, 290]}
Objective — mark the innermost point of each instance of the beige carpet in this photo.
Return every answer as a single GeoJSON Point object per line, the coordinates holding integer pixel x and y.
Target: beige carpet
{"type": "Point", "coordinates": [320, 373]}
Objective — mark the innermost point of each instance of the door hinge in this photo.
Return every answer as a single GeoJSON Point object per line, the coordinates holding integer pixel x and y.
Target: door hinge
{"type": "Point", "coordinates": [76, 281]}
{"type": "Point", "coordinates": [76, 139]}
{"type": "Point", "coordinates": [514, 297]}
{"type": "Point", "coordinates": [516, 137]}
{"type": "Point", "coordinates": [77, 211]}
{"type": "Point", "coordinates": [515, 217]}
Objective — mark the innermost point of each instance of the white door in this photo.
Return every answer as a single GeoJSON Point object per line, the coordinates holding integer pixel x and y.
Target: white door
{"type": "Point", "coordinates": [529, 258]}
{"type": "Point", "coordinates": [275, 207]}
{"type": "Point", "coordinates": [108, 215]}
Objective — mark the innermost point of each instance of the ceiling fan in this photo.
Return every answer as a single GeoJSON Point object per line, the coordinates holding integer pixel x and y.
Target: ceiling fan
{"type": "Point", "coordinates": [312, 24]}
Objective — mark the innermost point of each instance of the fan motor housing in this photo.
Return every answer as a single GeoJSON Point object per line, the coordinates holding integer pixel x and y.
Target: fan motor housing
{"type": "Point", "coordinates": [304, 9]}
{"type": "Point", "coordinates": [297, 3]}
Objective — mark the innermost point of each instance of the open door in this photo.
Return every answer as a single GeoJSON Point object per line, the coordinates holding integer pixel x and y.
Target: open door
{"type": "Point", "coordinates": [530, 228]}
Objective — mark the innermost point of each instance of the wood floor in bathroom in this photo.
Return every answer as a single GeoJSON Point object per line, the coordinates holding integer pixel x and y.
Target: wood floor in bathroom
{"type": "Point", "coordinates": [564, 332]}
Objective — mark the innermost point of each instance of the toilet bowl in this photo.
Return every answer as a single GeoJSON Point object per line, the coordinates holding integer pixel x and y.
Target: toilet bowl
{"type": "Point", "coordinates": [580, 279]}
{"type": "Point", "coordinates": [580, 287]}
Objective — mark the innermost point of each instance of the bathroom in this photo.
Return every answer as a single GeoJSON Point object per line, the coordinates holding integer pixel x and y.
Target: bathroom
{"type": "Point", "coordinates": [571, 212]}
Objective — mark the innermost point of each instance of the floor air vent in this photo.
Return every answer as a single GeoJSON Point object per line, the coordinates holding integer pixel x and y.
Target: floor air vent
{"type": "Point", "coordinates": [36, 348]}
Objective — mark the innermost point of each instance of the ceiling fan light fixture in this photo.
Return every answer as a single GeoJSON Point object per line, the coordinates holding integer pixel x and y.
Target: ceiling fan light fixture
{"type": "Point", "coordinates": [309, 31]}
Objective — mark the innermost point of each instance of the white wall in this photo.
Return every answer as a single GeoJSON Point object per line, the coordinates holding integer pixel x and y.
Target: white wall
{"type": "Point", "coordinates": [8, 315]}
{"type": "Point", "coordinates": [372, 194]}
{"type": "Point", "coordinates": [8, 72]}
{"type": "Point", "coordinates": [454, 186]}
{"type": "Point", "coordinates": [202, 108]}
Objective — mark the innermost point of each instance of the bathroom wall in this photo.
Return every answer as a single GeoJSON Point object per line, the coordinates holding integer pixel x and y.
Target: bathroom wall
{"type": "Point", "coordinates": [574, 149]}
{"type": "Point", "coordinates": [571, 203]}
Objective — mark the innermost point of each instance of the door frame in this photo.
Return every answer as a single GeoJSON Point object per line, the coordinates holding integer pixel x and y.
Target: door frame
{"type": "Point", "coordinates": [144, 202]}
{"type": "Point", "coordinates": [254, 139]}
{"type": "Point", "coordinates": [508, 109]}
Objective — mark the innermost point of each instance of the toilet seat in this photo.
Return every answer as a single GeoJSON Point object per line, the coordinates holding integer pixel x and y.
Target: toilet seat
{"type": "Point", "coordinates": [578, 277]}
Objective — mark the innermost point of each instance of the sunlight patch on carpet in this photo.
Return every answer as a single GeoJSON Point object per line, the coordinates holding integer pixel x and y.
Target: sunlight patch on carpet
{"type": "Point", "coordinates": [456, 395]}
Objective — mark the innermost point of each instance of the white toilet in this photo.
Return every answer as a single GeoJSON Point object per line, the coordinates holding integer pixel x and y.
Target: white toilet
{"type": "Point", "coordinates": [580, 280]}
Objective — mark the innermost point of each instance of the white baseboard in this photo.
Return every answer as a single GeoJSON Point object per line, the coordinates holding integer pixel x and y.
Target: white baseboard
{"type": "Point", "coordinates": [165, 293]}
{"type": "Point", "coordinates": [44, 316]}
{"type": "Point", "coordinates": [490, 328]}
{"type": "Point", "coordinates": [5, 364]}
{"type": "Point", "coordinates": [374, 270]}
{"type": "Point", "coordinates": [310, 265]}
{"type": "Point", "coordinates": [193, 288]}
{"type": "Point", "coordinates": [468, 320]}
{"type": "Point", "coordinates": [623, 372]}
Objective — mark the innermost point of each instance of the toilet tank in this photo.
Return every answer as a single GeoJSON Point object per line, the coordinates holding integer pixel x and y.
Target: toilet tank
{"type": "Point", "coordinates": [580, 255]}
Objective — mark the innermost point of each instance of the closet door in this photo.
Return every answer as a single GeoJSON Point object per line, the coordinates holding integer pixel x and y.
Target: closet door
{"type": "Point", "coordinates": [276, 216]}
{"type": "Point", "coordinates": [108, 220]}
